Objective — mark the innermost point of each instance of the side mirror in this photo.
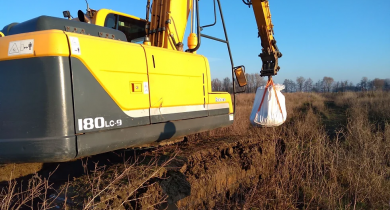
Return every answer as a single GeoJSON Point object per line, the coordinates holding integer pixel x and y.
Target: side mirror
{"type": "Point", "coordinates": [67, 14]}
{"type": "Point", "coordinates": [240, 75]}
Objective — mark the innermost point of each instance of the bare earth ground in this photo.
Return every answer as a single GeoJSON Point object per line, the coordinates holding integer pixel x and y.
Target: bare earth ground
{"type": "Point", "coordinates": [332, 153]}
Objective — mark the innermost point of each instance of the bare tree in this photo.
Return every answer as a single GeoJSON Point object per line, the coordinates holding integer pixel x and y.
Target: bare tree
{"type": "Point", "coordinates": [260, 81]}
{"type": "Point", "coordinates": [336, 87]}
{"type": "Point", "coordinates": [387, 84]}
{"type": "Point", "coordinates": [364, 83]}
{"type": "Point", "coordinates": [227, 84]}
{"type": "Point", "coordinates": [327, 83]}
{"type": "Point", "coordinates": [249, 82]}
{"type": "Point", "coordinates": [318, 86]}
{"type": "Point", "coordinates": [308, 85]}
{"type": "Point", "coordinates": [293, 86]}
{"type": "Point", "coordinates": [378, 83]}
{"type": "Point", "coordinates": [351, 87]}
{"type": "Point", "coordinates": [289, 85]}
{"type": "Point", "coordinates": [253, 82]}
{"type": "Point", "coordinates": [216, 85]}
{"type": "Point", "coordinates": [370, 85]}
{"type": "Point", "coordinates": [286, 85]}
{"type": "Point", "coordinates": [344, 85]}
{"type": "Point", "coordinates": [300, 82]}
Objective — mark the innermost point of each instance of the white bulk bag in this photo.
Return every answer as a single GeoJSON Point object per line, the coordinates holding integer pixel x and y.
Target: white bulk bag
{"type": "Point", "coordinates": [272, 111]}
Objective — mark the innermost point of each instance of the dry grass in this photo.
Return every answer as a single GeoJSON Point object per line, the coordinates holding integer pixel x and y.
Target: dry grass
{"type": "Point", "coordinates": [320, 164]}
{"type": "Point", "coordinates": [33, 195]}
{"type": "Point", "coordinates": [296, 104]}
{"type": "Point", "coordinates": [348, 170]}
{"type": "Point", "coordinates": [116, 187]}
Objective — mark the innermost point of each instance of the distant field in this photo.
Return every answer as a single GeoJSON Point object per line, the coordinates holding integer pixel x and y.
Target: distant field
{"type": "Point", "coordinates": [332, 153]}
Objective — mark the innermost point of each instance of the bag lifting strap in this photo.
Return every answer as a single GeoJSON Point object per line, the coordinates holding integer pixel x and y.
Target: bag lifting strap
{"type": "Point", "coordinates": [269, 83]}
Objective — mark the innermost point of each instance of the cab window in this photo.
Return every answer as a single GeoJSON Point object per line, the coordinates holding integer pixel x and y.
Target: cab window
{"type": "Point", "coordinates": [111, 21]}
{"type": "Point", "coordinates": [132, 28]}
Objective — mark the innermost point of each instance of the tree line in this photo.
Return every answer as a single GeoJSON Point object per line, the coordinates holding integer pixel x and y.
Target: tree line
{"type": "Point", "coordinates": [301, 84]}
{"type": "Point", "coordinates": [253, 82]}
{"type": "Point", "coordinates": [328, 84]}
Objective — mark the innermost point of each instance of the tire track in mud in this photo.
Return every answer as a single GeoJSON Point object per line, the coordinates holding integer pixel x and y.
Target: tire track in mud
{"type": "Point", "coordinates": [203, 173]}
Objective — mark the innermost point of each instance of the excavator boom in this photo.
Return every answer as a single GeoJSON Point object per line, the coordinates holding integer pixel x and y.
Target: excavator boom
{"type": "Point", "coordinates": [270, 52]}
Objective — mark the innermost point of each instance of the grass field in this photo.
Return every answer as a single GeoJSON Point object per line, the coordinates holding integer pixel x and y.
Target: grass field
{"type": "Point", "coordinates": [336, 152]}
{"type": "Point", "coordinates": [333, 152]}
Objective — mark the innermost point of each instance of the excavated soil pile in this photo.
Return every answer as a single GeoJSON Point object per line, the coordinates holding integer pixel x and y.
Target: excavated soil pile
{"type": "Point", "coordinates": [209, 173]}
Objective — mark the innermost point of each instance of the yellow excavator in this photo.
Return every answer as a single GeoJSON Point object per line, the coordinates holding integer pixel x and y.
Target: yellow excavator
{"type": "Point", "coordinates": [75, 87]}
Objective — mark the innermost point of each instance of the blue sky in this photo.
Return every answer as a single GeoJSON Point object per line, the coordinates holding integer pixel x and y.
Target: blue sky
{"type": "Point", "coordinates": [345, 39]}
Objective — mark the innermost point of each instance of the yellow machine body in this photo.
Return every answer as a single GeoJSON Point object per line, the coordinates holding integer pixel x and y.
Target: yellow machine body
{"type": "Point", "coordinates": [76, 95]}
{"type": "Point", "coordinates": [176, 80]}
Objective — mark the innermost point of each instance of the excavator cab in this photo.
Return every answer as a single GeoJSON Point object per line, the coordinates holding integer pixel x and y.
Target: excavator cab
{"type": "Point", "coordinates": [133, 27]}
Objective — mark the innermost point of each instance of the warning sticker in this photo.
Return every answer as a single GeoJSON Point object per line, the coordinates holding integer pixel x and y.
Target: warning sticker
{"type": "Point", "coordinates": [21, 47]}
{"type": "Point", "coordinates": [75, 45]}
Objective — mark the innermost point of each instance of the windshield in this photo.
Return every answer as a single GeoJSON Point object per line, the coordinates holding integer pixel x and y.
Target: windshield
{"type": "Point", "coordinates": [132, 28]}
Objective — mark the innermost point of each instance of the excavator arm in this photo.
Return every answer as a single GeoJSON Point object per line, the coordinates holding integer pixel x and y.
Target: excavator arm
{"type": "Point", "coordinates": [270, 52]}
{"type": "Point", "coordinates": [168, 22]}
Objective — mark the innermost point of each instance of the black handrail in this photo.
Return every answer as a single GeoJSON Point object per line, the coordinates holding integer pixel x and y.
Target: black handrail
{"type": "Point", "coordinates": [215, 18]}
{"type": "Point", "coordinates": [220, 40]}
{"type": "Point", "coordinates": [230, 55]}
